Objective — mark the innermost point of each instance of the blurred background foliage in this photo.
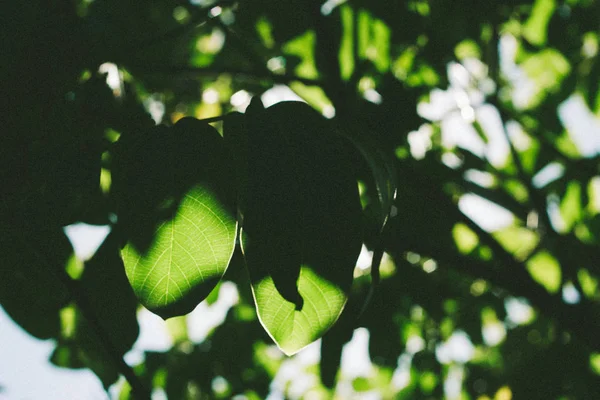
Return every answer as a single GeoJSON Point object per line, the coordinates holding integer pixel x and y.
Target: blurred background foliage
{"type": "Point", "coordinates": [491, 111]}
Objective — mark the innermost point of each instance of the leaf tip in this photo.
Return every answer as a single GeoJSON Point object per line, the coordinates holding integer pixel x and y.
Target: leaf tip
{"type": "Point", "coordinates": [289, 350]}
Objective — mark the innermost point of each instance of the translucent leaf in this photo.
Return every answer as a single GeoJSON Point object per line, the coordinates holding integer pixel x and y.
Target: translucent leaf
{"type": "Point", "coordinates": [193, 215]}
{"type": "Point", "coordinates": [292, 328]}
{"type": "Point", "coordinates": [302, 47]}
{"type": "Point", "coordinates": [346, 55]}
{"type": "Point", "coordinates": [570, 206]}
{"type": "Point", "coordinates": [547, 68]}
{"type": "Point", "coordinates": [535, 29]}
{"type": "Point", "coordinates": [545, 270]}
{"type": "Point", "coordinates": [466, 240]}
{"type": "Point", "coordinates": [188, 258]}
{"type": "Point", "coordinates": [517, 240]}
{"type": "Point", "coordinates": [301, 234]}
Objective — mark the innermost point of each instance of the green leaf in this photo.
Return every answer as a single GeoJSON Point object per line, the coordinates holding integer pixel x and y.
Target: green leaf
{"type": "Point", "coordinates": [30, 290]}
{"type": "Point", "coordinates": [536, 27]}
{"type": "Point", "coordinates": [346, 52]}
{"type": "Point", "coordinates": [517, 240]}
{"type": "Point", "coordinates": [547, 68]}
{"type": "Point", "coordinates": [570, 205]}
{"type": "Point", "coordinates": [291, 328]}
{"type": "Point", "coordinates": [112, 300]}
{"type": "Point", "coordinates": [302, 47]}
{"type": "Point", "coordinates": [466, 240]}
{"type": "Point", "coordinates": [373, 40]}
{"type": "Point", "coordinates": [545, 269]}
{"type": "Point", "coordinates": [301, 234]}
{"type": "Point", "coordinates": [191, 180]}
{"type": "Point", "coordinates": [188, 258]}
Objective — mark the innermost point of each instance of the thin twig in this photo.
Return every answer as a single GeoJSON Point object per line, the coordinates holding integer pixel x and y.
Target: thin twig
{"type": "Point", "coordinates": [236, 72]}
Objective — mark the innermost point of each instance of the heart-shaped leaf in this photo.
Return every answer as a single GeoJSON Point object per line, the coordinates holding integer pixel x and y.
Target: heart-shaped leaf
{"type": "Point", "coordinates": [302, 222]}
{"type": "Point", "coordinates": [192, 211]}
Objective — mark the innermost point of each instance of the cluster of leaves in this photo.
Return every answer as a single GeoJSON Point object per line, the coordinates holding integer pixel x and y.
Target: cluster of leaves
{"type": "Point", "coordinates": [274, 190]}
{"type": "Point", "coordinates": [177, 191]}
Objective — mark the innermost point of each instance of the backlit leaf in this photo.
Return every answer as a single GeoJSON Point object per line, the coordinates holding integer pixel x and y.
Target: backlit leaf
{"type": "Point", "coordinates": [545, 270]}
{"type": "Point", "coordinates": [189, 250]}
{"type": "Point", "coordinates": [302, 231]}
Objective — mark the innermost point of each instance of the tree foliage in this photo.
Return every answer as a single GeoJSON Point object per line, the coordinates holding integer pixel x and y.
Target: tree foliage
{"type": "Point", "coordinates": [413, 116]}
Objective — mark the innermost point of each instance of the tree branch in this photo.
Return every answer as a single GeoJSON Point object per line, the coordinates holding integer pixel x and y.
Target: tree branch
{"type": "Point", "coordinates": [580, 319]}
{"type": "Point", "coordinates": [536, 201]}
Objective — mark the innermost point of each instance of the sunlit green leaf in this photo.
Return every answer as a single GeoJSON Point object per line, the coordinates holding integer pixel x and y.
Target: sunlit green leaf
{"type": "Point", "coordinates": [547, 69]}
{"type": "Point", "coordinates": [293, 329]}
{"type": "Point", "coordinates": [315, 96]}
{"type": "Point", "coordinates": [595, 363]}
{"type": "Point", "coordinates": [188, 258]}
{"type": "Point", "coordinates": [517, 240]}
{"type": "Point", "coordinates": [302, 47]}
{"type": "Point", "coordinates": [589, 284]}
{"type": "Point", "coordinates": [467, 49]}
{"type": "Point", "coordinates": [346, 53]}
{"type": "Point", "coordinates": [300, 196]}
{"type": "Point", "coordinates": [466, 240]}
{"type": "Point", "coordinates": [544, 268]}
{"type": "Point", "coordinates": [190, 248]}
{"type": "Point", "coordinates": [379, 53]}
{"type": "Point", "coordinates": [537, 24]}
{"type": "Point", "coordinates": [570, 206]}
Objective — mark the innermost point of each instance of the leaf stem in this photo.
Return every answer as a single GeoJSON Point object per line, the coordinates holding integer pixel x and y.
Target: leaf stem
{"type": "Point", "coordinates": [375, 277]}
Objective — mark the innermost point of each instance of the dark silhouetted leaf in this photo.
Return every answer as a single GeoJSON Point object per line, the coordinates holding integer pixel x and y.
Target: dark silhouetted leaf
{"type": "Point", "coordinates": [108, 293]}
{"type": "Point", "coordinates": [302, 231]}
{"type": "Point", "coordinates": [30, 290]}
{"type": "Point", "coordinates": [382, 164]}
